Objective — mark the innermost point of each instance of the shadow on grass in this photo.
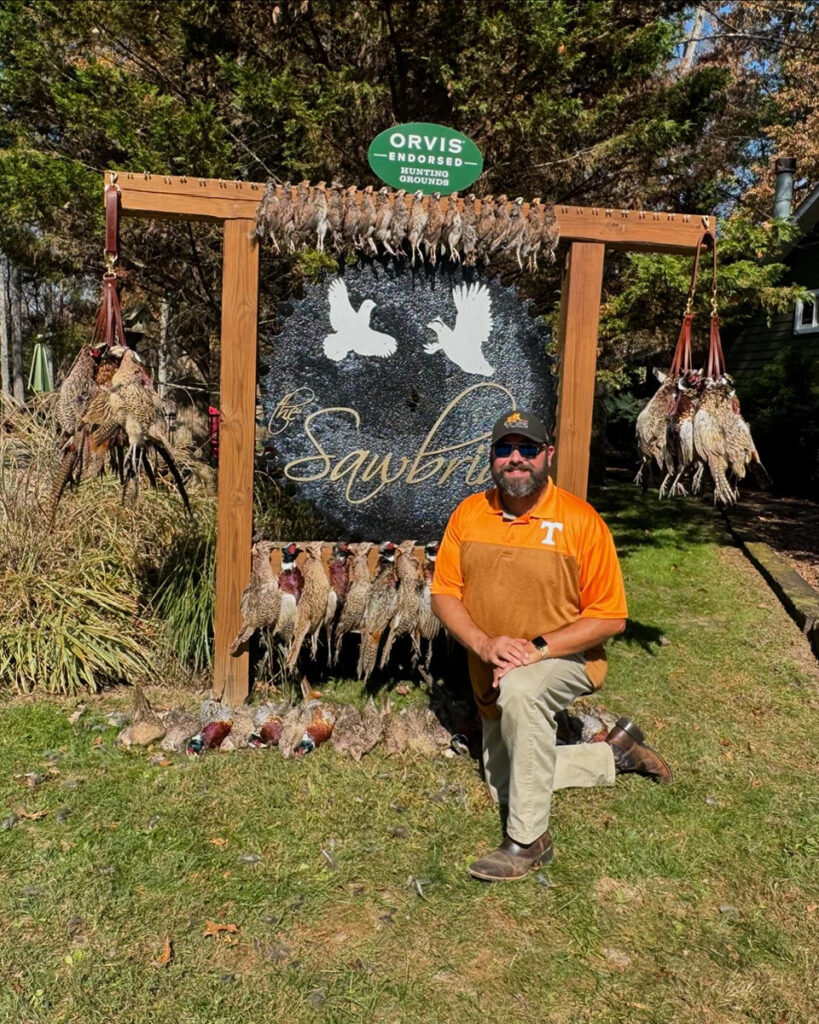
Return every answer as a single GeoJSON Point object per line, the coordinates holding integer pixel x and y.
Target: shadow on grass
{"type": "Point", "coordinates": [639, 520]}
{"type": "Point", "coordinates": [649, 638]}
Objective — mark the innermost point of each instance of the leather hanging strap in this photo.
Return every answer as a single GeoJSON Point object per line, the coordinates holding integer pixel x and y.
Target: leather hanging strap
{"type": "Point", "coordinates": [108, 328]}
{"type": "Point", "coordinates": [716, 358]}
{"type": "Point", "coordinates": [112, 221]}
{"type": "Point", "coordinates": [681, 363]}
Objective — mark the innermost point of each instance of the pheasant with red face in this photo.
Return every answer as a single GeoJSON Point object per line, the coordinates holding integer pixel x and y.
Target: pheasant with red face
{"type": "Point", "coordinates": [291, 582]}
{"type": "Point", "coordinates": [338, 572]}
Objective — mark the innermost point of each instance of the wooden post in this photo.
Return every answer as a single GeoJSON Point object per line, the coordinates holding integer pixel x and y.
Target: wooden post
{"type": "Point", "coordinates": [577, 334]}
{"type": "Point", "coordinates": [237, 444]}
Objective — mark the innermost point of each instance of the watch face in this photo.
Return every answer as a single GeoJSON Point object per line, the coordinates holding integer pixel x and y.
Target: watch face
{"type": "Point", "coordinates": [539, 642]}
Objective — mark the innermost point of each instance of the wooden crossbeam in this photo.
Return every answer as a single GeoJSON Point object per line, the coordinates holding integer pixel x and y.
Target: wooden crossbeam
{"type": "Point", "coordinates": [214, 199]}
{"type": "Point", "coordinates": [587, 230]}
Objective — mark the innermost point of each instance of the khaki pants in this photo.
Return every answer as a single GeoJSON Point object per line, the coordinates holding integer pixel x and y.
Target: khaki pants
{"type": "Point", "coordinates": [522, 762]}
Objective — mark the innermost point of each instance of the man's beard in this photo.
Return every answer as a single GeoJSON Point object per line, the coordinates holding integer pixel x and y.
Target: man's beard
{"type": "Point", "coordinates": [523, 486]}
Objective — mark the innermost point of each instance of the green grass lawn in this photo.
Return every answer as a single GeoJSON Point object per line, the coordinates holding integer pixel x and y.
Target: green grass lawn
{"type": "Point", "coordinates": [347, 883]}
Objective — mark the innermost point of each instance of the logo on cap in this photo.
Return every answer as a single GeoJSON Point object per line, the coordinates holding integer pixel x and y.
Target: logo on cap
{"type": "Point", "coordinates": [515, 418]}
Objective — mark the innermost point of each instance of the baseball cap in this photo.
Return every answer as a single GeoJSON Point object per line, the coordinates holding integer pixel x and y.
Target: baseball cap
{"type": "Point", "coordinates": [521, 422]}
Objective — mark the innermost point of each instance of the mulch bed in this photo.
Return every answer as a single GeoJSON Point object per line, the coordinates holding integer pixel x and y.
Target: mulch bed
{"type": "Point", "coordinates": [789, 525]}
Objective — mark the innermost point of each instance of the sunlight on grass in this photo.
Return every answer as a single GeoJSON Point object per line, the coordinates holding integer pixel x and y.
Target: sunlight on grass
{"type": "Point", "coordinates": [697, 902]}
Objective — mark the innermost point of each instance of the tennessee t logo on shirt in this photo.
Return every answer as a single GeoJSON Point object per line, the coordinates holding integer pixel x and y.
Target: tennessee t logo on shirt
{"type": "Point", "coordinates": [550, 532]}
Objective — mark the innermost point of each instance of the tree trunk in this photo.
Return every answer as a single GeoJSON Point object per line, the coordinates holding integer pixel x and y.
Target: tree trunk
{"type": "Point", "coordinates": [17, 379]}
{"type": "Point", "coordinates": [5, 373]}
{"type": "Point", "coordinates": [687, 59]}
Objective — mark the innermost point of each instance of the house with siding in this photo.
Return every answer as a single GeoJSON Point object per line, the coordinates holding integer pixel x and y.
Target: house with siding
{"type": "Point", "coordinates": [776, 368]}
{"type": "Point", "coordinates": [758, 342]}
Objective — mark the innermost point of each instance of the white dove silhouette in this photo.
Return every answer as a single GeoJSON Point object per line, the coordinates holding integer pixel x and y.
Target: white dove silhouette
{"type": "Point", "coordinates": [352, 329]}
{"type": "Point", "coordinates": [473, 325]}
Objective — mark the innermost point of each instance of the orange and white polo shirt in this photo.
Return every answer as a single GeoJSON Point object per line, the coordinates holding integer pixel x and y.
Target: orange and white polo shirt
{"type": "Point", "coordinates": [532, 575]}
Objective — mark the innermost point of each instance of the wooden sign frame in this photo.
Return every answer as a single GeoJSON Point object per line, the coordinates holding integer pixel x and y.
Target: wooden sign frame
{"type": "Point", "coordinates": [588, 230]}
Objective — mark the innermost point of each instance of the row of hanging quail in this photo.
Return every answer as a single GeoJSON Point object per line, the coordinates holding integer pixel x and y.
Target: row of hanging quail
{"type": "Point", "coordinates": [108, 416]}
{"type": "Point", "coordinates": [296, 591]}
{"type": "Point", "coordinates": [462, 230]}
{"type": "Point", "coordinates": [693, 424]}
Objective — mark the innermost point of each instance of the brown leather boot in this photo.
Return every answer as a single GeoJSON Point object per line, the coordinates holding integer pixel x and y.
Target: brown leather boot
{"type": "Point", "coordinates": [632, 754]}
{"type": "Point", "coordinates": [511, 861]}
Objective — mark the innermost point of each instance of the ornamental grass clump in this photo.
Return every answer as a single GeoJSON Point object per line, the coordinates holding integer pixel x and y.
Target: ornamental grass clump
{"type": "Point", "coordinates": [76, 608]}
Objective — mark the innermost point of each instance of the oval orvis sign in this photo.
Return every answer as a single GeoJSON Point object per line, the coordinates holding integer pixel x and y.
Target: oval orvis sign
{"type": "Point", "coordinates": [425, 157]}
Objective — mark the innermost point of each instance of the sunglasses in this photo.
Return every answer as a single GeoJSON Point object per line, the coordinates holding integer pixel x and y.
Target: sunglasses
{"type": "Point", "coordinates": [527, 449]}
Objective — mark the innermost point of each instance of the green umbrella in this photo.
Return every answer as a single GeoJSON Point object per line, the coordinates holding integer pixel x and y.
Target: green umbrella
{"type": "Point", "coordinates": [39, 379]}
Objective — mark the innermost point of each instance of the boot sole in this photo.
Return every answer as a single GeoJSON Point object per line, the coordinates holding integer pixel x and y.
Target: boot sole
{"type": "Point", "coordinates": [546, 858]}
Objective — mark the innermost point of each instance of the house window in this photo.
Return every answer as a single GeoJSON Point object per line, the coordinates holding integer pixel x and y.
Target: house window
{"type": "Point", "coordinates": [806, 317]}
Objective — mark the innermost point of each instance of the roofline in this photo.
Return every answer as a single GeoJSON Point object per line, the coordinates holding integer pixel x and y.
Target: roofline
{"type": "Point", "coordinates": [807, 213]}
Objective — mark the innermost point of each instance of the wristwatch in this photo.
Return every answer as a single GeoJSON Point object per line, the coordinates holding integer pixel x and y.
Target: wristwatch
{"type": "Point", "coordinates": [542, 645]}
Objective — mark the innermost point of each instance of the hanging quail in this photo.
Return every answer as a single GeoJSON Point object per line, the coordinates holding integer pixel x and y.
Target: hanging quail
{"type": "Point", "coordinates": [304, 213]}
{"type": "Point", "coordinates": [451, 233]}
{"type": "Point", "coordinates": [286, 215]}
{"type": "Point", "coordinates": [383, 219]}
{"type": "Point", "coordinates": [532, 234]}
{"type": "Point", "coordinates": [268, 215]}
{"type": "Point", "coordinates": [381, 607]}
{"type": "Point", "coordinates": [418, 217]}
{"type": "Point", "coordinates": [500, 228]}
{"type": "Point", "coordinates": [550, 231]}
{"type": "Point", "coordinates": [335, 213]}
{"type": "Point", "coordinates": [469, 232]}
{"type": "Point", "coordinates": [405, 618]}
{"type": "Point", "coordinates": [366, 220]}
{"type": "Point", "coordinates": [485, 227]}
{"type": "Point", "coordinates": [517, 231]}
{"type": "Point", "coordinates": [349, 225]}
{"type": "Point", "coordinates": [311, 609]}
{"type": "Point", "coordinates": [399, 221]}
{"type": "Point", "coordinates": [434, 227]}
{"type": "Point", "coordinates": [351, 619]}
{"type": "Point", "coordinates": [261, 600]}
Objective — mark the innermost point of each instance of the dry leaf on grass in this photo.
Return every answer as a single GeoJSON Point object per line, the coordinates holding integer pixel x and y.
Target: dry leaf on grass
{"type": "Point", "coordinates": [34, 816]}
{"type": "Point", "coordinates": [218, 841]}
{"type": "Point", "coordinates": [166, 955]}
{"type": "Point", "coordinates": [212, 928]}
{"type": "Point", "coordinates": [97, 741]}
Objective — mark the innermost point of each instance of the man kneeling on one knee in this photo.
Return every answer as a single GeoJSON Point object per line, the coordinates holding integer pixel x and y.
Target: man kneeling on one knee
{"type": "Point", "coordinates": [527, 579]}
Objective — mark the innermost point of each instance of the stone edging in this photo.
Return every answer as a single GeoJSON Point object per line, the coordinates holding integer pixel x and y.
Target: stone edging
{"type": "Point", "coordinates": [799, 598]}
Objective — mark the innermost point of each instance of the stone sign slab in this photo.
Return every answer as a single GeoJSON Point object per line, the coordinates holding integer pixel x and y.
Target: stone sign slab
{"type": "Point", "coordinates": [384, 385]}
